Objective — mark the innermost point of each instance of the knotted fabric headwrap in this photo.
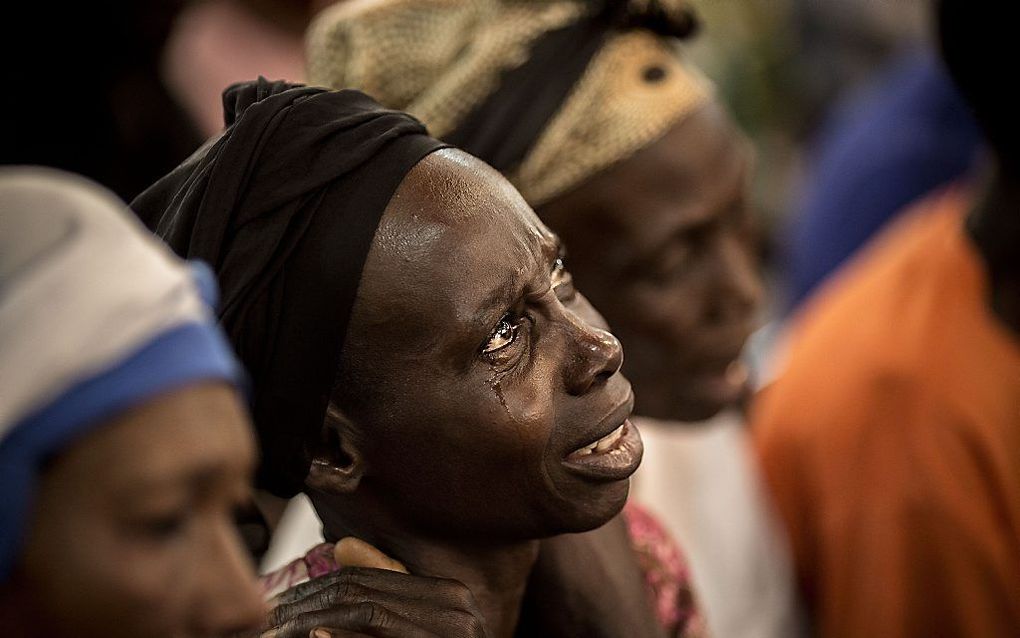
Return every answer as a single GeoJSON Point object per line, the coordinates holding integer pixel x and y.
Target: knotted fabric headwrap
{"type": "Point", "coordinates": [284, 206]}
{"type": "Point", "coordinates": [96, 316]}
{"type": "Point", "coordinates": [547, 92]}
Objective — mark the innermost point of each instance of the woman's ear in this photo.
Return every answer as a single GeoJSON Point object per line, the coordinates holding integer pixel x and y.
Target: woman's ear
{"type": "Point", "coordinates": [337, 463]}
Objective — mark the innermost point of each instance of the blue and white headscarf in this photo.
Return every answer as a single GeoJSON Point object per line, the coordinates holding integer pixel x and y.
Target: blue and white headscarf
{"type": "Point", "coordinates": [96, 316]}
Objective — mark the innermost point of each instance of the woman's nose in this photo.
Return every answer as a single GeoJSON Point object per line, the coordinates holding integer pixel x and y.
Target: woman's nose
{"type": "Point", "coordinates": [597, 355]}
{"type": "Point", "coordinates": [738, 288]}
{"type": "Point", "coordinates": [229, 597]}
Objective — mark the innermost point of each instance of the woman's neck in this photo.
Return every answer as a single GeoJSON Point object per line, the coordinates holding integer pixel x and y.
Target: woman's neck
{"type": "Point", "coordinates": [495, 573]}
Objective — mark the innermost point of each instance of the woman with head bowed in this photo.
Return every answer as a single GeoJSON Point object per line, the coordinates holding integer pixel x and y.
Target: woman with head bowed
{"type": "Point", "coordinates": [423, 367]}
{"type": "Point", "coordinates": [620, 145]}
{"type": "Point", "coordinates": [124, 442]}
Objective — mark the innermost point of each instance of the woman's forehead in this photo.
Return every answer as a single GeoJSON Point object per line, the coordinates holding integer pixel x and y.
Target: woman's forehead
{"type": "Point", "coordinates": [194, 434]}
{"type": "Point", "coordinates": [434, 278]}
{"type": "Point", "coordinates": [454, 203]}
{"type": "Point", "coordinates": [455, 235]}
{"type": "Point", "coordinates": [483, 250]}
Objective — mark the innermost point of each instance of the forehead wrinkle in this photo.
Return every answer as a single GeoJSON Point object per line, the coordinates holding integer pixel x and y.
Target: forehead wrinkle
{"type": "Point", "coordinates": [523, 258]}
{"type": "Point", "coordinates": [411, 241]}
{"type": "Point", "coordinates": [479, 311]}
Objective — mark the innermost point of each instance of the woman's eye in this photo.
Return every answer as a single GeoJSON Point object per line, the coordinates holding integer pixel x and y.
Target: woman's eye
{"type": "Point", "coordinates": [163, 527]}
{"type": "Point", "coordinates": [674, 265]}
{"type": "Point", "coordinates": [559, 272]}
{"type": "Point", "coordinates": [502, 336]}
{"type": "Point", "coordinates": [562, 282]}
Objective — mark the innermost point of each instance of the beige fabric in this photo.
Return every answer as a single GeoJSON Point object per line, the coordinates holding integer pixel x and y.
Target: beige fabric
{"type": "Point", "coordinates": [440, 59]}
{"type": "Point", "coordinates": [435, 59]}
{"type": "Point", "coordinates": [612, 112]}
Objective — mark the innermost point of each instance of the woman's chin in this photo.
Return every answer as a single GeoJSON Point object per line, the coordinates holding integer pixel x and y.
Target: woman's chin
{"type": "Point", "coordinates": [596, 511]}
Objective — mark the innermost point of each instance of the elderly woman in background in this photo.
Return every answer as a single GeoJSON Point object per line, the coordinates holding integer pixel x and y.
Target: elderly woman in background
{"type": "Point", "coordinates": [423, 369]}
{"type": "Point", "coordinates": [124, 442]}
{"type": "Point", "coordinates": [619, 144]}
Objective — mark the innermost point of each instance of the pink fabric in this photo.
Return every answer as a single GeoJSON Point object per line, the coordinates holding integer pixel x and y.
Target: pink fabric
{"type": "Point", "coordinates": [666, 574]}
{"type": "Point", "coordinates": [217, 43]}
{"type": "Point", "coordinates": [317, 562]}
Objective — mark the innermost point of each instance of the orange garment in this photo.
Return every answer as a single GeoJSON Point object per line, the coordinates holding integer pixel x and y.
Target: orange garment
{"type": "Point", "coordinates": [891, 441]}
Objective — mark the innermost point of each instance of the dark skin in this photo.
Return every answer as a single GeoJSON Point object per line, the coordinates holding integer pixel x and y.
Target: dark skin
{"type": "Point", "coordinates": [970, 37]}
{"type": "Point", "coordinates": [358, 601]}
{"type": "Point", "coordinates": [588, 585]}
{"type": "Point", "coordinates": [993, 223]}
{"type": "Point", "coordinates": [605, 598]}
{"type": "Point", "coordinates": [1001, 197]}
{"type": "Point", "coordinates": [474, 373]}
{"type": "Point", "coordinates": [684, 306]}
{"type": "Point", "coordinates": [662, 244]}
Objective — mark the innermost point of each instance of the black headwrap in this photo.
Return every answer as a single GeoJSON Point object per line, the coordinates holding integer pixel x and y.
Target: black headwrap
{"type": "Point", "coordinates": [284, 206]}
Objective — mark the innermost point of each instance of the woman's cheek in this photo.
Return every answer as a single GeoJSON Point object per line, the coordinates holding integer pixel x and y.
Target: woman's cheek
{"type": "Point", "coordinates": [662, 310]}
{"type": "Point", "coordinates": [529, 397]}
{"type": "Point", "coordinates": [134, 591]}
{"type": "Point", "coordinates": [146, 587]}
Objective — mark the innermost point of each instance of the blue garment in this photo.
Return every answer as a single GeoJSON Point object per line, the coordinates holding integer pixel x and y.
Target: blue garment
{"type": "Point", "coordinates": [907, 134]}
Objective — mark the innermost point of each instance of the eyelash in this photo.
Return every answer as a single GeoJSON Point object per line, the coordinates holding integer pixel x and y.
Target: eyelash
{"type": "Point", "coordinates": [511, 323]}
{"type": "Point", "coordinates": [164, 527]}
{"type": "Point", "coordinates": [564, 288]}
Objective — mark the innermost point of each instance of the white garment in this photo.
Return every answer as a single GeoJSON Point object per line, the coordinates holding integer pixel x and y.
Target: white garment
{"type": "Point", "coordinates": [299, 530]}
{"type": "Point", "coordinates": [701, 481]}
{"type": "Point", "coordinates": [82, 285]}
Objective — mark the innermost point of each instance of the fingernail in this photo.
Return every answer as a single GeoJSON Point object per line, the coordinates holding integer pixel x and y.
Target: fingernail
{"type": "Point", "coordinates": [320, 633]}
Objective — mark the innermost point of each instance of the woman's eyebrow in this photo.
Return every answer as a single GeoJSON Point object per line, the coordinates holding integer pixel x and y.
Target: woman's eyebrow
{"type": "Point", "coordinates": [196, 478]}
{"type": "Point", "coordinates": [706, 218]}
{"type": "Point", "coordinates": [505, 295]}
{"type": "Point", "coordinates": [553, 249]}
{"type": "Point", "coordinates": [495, 304]}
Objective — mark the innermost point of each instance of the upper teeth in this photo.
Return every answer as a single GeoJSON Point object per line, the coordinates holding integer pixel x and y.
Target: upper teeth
{"type": "Point", "coordinates": [604, 443]}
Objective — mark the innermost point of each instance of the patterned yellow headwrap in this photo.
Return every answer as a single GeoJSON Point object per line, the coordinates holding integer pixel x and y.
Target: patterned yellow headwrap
{"type": "Point", "coordinates": [465, 65]}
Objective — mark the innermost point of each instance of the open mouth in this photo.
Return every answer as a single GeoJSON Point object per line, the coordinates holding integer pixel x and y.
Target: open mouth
{"type": "Point", "coordinates": [613, 457]}
{"type": "Point", "coordinates": [608, 443]}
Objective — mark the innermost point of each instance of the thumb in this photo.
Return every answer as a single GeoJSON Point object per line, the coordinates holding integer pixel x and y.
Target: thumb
{"type": "Point", "coordinates": [354, 552]}
{"type": "Point", "coordinates": [322, 632]}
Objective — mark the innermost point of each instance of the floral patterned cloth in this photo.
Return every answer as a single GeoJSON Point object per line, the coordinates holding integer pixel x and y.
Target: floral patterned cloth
{"type": "Point", "coordinates": [666, 573]}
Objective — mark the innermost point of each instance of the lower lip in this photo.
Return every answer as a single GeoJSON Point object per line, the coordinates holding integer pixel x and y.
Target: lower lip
{"type": "Point", "coordinates": [614, 464]}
